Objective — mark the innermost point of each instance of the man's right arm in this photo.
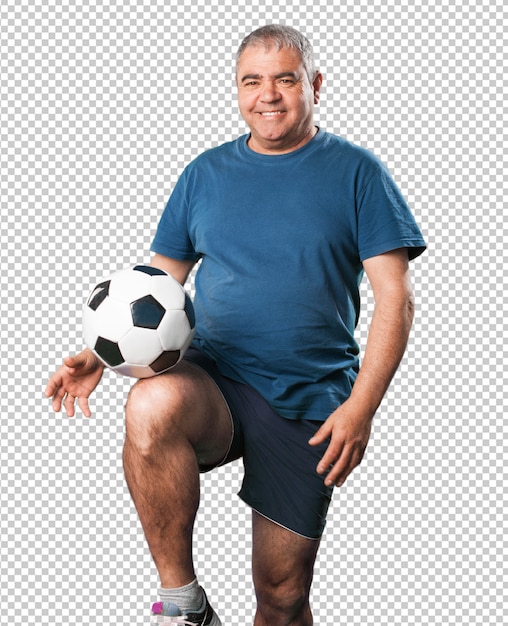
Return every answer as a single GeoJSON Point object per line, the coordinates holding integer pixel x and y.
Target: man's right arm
{"type": "Point", "coordinates": [178, 269]}
{"type": "Point", "coordinates": [75, 380]}
{"type": "Point", "coordinates": [80, 374]}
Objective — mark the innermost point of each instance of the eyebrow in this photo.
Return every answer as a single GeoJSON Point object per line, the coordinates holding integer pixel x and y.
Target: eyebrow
{"type": "Point", "coordinates": [294, 75]}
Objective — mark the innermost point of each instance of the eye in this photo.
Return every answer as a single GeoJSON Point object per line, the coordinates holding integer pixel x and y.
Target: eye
{"type": "Point", "coordinates": [287, 82]}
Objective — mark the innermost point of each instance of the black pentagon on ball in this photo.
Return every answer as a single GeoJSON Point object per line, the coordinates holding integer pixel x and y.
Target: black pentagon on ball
{"type": "Point", "coordinates": [148, 269]}
{"type": "Point", "coordinates": [109, 351]}
{"type": "Point", "coordinates": [189, 311]}
{"type": "Point", "coordinates": [165, 360]}
{"type": "Point", "coordinates": [98, 295]}
{"type": "Point", "coordinates": [147, 312]}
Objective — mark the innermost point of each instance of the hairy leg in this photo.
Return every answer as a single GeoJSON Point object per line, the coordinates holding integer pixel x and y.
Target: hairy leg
{"type": "Point", "coordinates": [283, 566]}
{"type": "Point", "coordinates": [174, 422]}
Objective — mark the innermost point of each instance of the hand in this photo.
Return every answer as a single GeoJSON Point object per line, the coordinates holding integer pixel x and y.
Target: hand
{"type": "Point", "coordinates": [348, 432]}
{"type": "Point", "coordinates": [75, 380]}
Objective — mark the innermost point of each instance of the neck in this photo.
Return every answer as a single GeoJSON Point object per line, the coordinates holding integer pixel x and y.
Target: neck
{"type": "Point", "coordinates": [281, 149]}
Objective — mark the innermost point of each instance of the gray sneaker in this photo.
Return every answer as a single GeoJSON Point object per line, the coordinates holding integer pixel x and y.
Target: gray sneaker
{"type": "Point", "coordinates": [169, 613]}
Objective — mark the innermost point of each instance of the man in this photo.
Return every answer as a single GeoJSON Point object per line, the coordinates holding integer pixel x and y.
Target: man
{"type": "Point", "coordinates": [284, 220]}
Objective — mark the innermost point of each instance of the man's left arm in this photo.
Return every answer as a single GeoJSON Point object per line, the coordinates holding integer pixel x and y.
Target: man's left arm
{"type": "Point", "coordinates": [348, 428]}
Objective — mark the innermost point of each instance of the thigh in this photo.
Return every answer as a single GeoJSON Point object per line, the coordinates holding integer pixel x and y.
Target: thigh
{"type": "Point", "coordinates": [281, 557]}
{"type": "Point", "coordinates": [280, 481]}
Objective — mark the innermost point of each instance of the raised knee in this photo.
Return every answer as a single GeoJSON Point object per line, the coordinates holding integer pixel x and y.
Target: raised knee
{"type": "Point", "coordinates": [151, 413]}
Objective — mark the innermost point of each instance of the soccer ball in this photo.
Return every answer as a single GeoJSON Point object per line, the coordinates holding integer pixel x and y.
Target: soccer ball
{"type": "Point", "coordinates": [139, 322]}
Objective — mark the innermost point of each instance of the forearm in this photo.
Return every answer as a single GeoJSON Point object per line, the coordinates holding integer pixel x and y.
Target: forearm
{"type": "Point", "coordinates": [180, 270]}
{"type": "Point", "coordinates": [348, 428]}
{"type": "Point", "coordinates": [386, 343]}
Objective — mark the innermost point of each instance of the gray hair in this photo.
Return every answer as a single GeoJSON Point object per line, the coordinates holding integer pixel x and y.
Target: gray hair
{"type": "Point", "coordinates": [280, 36]}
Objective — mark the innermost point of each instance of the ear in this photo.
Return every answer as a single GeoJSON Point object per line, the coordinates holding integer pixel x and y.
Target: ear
{"type": "Point", "coordinates": [316, 85]}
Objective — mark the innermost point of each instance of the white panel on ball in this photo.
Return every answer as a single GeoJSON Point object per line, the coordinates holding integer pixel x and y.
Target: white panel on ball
{"type": "Point", "coordinates": [112, 320]}
{"type": "Point", "coordinates": [135, 371]}
{"type": "Point", "coordinates": [174, 329]}
{"type": "Point", "coordinates": [168, 292]}
{"type": "Point", "coordinates": [129, 285]}
{"type": "Point", "coordinates": [140, 346]}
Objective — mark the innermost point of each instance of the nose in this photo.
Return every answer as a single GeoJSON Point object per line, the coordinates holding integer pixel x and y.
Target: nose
{"type": "Point", "coordinates": [270, 93]}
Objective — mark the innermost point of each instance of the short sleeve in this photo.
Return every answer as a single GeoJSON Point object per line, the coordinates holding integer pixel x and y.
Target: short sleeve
{"type": "Point", "coordinates": [385, 221]}
{"type": "Point", "coordinates": [172, 235]}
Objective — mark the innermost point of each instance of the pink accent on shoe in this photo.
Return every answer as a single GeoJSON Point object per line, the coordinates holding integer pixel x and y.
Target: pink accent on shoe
{"type": "Point", "coordinates": [157, 608]}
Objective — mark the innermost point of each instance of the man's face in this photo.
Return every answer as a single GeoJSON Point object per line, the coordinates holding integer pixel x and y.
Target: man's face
{"type": "Point", "coordinates": [276, 99]}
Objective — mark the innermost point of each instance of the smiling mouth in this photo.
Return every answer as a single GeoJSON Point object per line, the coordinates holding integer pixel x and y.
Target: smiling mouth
{"type": "Point", "coordinates": [271, 113]}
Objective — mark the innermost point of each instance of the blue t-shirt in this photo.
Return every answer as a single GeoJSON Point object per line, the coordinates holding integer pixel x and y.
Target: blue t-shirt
{"type": "Point", "coordinates": [282, 239]}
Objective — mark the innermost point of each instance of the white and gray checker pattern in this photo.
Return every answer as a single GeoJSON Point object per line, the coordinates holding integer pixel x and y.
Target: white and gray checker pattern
{"type": "Point", "coordinates": [101, 106]}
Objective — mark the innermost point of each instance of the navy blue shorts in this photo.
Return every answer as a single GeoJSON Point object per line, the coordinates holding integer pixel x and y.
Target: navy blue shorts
{"type": "Point", "coordinates": [280, 480]}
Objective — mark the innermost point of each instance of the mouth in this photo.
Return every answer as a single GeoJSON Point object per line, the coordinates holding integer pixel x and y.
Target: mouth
{"type": "Point", "coordinates": [271, 114]}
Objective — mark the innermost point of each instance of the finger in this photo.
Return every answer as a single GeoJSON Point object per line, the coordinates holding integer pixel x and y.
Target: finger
{"type": "Point", "coordinates": [321, 435]}
{"type": "Point", "coordinates": [57, 394]}
{"type": "Point", "coordinates": [84, 406]}
{"type": "Point", "coordinates": [51, 387]}
{"type": "Point", "coordinates": [329, 458]}
{"type": "Point", "coordinates": [74, 361]}
{"type": "Point", "coordinates": [344, 465]}
{"type": "Point", "coordinates": [339, 472]}
{"type": "Point", "coordinates": [69, 405]}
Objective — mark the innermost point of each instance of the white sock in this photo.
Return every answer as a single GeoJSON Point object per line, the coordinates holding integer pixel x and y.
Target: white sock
{"type": "Point", "coordinates": [189, 598]}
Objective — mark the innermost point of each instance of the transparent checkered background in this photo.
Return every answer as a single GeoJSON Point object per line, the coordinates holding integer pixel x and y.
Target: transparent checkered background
{"type": "Point", "coordinates": [100, 109]}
